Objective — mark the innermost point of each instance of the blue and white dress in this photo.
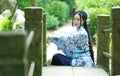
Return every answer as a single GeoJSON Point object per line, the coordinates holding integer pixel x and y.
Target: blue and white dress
{"type": "Point", "coordinates": [76, 46]}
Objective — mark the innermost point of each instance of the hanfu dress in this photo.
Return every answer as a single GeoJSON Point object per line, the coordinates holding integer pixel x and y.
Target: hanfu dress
{"type": "Point", "coordinates": [76, 46]}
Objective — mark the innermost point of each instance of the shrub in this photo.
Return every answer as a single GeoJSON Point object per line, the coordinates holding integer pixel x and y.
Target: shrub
{"type": "Point", "coordinates": [52, 22]}
{"type": "Point", "coordinates": [24, 3]}
{"type": "Point", "coordinates": [5, 24]}
{"type": "Point", "coordinates": [92, 13]}
{"type": "Point", "coordinates": [59, 9]}
{"type": "Point", "coordinates": [94, 8]}
{"type": "Point", "coordinates": [71, 4]}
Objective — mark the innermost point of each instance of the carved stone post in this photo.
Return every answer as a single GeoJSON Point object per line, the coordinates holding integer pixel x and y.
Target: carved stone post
{"type": "Point", "coordinates": [115, 40]}
{"type": "Point", "coordinates": [33, 16]}
{"type": "Point", "coordinates": [13, 58]}
{"type": "Point", "coordinates": [103, 41]}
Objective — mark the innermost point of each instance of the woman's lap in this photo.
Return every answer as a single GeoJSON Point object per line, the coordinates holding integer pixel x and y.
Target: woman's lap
{"type": "Point", "coordinates": [59, 59]}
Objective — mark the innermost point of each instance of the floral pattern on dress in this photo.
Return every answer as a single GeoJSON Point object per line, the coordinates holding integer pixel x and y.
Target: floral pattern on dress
{"type": "Point", "coordinates": [75, 46]}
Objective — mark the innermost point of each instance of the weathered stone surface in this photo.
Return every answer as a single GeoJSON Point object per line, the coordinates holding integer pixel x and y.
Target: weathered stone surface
{"type": "Point", "coordinates": [32, 13]}
{"type": "Point", "coordinates": [34, 22]}
{"type": "Point", "coordinates": [13, 54]}
{"type": "Point", "coordinates": [103, 41]}
{"type": "Point", "coordinates": [115, 13]}
{"type": "Point", "coordinates": [44, 39]}
{"type": "Point", "coordinates": [10, 68]}
{"type": "Point", "coordinates": [12, 45]}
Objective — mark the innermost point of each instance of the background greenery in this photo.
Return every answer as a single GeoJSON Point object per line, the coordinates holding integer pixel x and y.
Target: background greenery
{"type": "Point", "coordinates": [60, 11]}
{"type": "Point", "coordinates": [94, 8]}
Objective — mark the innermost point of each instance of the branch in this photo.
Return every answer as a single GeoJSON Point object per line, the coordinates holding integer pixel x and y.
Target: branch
{"type": "Point", "coordinates": [13, 12]}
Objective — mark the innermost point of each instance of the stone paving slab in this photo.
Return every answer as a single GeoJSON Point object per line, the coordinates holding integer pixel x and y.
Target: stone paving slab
{"type": "Point", "coordinates": [72, 71]}
{"type": "Point", "coordinates": [82, 71]}
{"type": "Point", "coordinates": [57, 71]}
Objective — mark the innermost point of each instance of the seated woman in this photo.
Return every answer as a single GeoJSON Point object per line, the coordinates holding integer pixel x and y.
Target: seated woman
{"type": "Point", "coordinates": [76, 46]}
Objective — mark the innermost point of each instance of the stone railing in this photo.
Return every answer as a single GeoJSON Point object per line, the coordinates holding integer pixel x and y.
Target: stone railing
{"type": "Point", "coordinates": [22, 54]}
{"type": "Point", "coordinates": [13, 54]}
{"type": "Point", "coordinates": [109, 59]}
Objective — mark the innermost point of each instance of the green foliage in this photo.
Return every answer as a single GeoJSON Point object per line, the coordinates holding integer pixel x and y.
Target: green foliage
{"type": "Point", "coordinates": [71, 4]}
{"type": "Point", "coordinates": [95, 7]}
{"type": "Point", "coordinates": [5, 24]}
{"type": "Point", "coordinates": [43, 3]}
{"type": "Point", "coordinates": [56, 8]}
{"type": "Point", "coordinates": [24, 3]}
{"type": "Point", "coordinates": [57, 12]}
{"type": "Point", "coordinates": [111, 3]}
{"type": "Point", "coordinates": [52, 22]}
{"type": "Point", "coordinates": [96, 3]}
{"type": "Point", "coordinates": [59, 9]}
{"type": "Point", "coordinates": [93, 12]}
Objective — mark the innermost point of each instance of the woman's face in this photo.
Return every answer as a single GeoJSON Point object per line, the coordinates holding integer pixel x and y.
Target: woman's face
{"type": "Point", "coordinates": [76, 21]}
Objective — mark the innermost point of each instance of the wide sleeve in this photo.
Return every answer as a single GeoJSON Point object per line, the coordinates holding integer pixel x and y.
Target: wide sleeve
{"type": "Point", "coordinates": [67, 43]}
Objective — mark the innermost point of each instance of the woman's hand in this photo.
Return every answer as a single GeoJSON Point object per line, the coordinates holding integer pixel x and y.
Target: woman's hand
{"type": "Point", "coordinates": [48, 41]}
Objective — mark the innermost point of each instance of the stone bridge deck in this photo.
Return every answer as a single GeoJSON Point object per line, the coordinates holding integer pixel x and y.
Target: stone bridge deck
{"type": "Point", "coordinates": [72, 71]}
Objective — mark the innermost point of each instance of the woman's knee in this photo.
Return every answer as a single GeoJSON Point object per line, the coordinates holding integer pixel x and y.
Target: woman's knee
{"type": "Point", "coordinates": [56, 59]}
{"type": "Point", "coordinates": [56, 56]}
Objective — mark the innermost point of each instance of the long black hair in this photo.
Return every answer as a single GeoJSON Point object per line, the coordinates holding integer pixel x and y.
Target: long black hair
{"type": "Point", "coordinates": [83, 15]}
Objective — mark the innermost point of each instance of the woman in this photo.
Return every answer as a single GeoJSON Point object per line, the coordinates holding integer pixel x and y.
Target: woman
{"type": "Point", "coordinates": [76, 46]}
